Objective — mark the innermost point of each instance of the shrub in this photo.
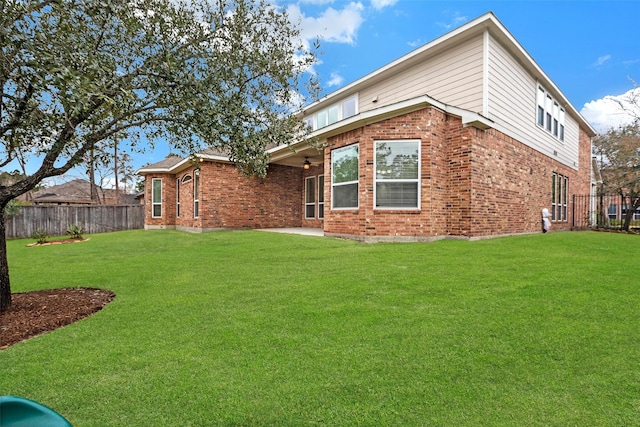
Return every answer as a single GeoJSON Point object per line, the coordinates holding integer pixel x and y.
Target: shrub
{"type": "Point", "coordinates": [74, 231]}
{"type": "Point", "coordinates": [40, 235]}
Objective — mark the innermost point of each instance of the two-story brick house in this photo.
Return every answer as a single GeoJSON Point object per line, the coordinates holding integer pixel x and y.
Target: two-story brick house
{"type": "Point", "coordinates": [465, 137]}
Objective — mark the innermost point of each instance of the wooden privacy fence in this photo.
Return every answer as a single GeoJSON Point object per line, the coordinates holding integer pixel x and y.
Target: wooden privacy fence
{"type": "Point", "coordinates": [55, 219]}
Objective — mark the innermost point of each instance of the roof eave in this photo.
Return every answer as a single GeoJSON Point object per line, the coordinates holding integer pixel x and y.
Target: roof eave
{"type": "Point", "coordinates": [469, 119]}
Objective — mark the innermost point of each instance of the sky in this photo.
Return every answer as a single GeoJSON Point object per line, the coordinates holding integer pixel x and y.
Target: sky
{"type": "Point", "coordinates": [590, 49]}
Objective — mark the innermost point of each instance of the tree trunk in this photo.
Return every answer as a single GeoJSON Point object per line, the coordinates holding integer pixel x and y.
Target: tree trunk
{"type": "Point", "coordinates": [5, 286]}
{"type": "Point", "coordinates": [92, 180]}
{"type": "Point", "coordinates": [632, 207]}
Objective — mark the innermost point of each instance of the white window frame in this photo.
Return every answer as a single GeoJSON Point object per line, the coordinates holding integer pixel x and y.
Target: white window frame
{"type": "Point", "coordinates": [310, 184]}
{"type": "Point", "coordinates": [156, 203]}
{"type": "Point", "coordinates": [177, 197]}
{"type": "Point", "coordinates": [196, 193]}
{"type": "Point", "coordinates": [550, 116]}
{"type": "Point", "coordinates": [320, 197]}
{"type": "Point", "coordinates": [378, 179]}
{"type": "Point", "coordinates": [559, 198]}
{"type": "Point", "coordinates": [356, 182]}
{"type": "Point", "coordinates": [332, 114]}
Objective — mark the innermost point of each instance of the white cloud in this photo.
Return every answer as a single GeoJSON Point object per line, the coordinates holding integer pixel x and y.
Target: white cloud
{"type": "Point", "coordinates": [416, 43]}
{"type": "Point", "coordinates": [334, 26]}
{"type": "Point", "coordinates": [606, 113]}
{"type": "Point", "coordinates": [381, 4]}
{"type": "Point", "coordinates": [336, 80]}
{"type": "Point", "coordinates": [455, 20]}
{"type": "Point", "coordinates": [601, 60]}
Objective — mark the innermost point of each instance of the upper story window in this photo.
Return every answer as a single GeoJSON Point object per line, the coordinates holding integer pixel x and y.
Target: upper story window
{"type": "Point", "coordinates": [550, 116]}
{"type": "Point", "coordinates": [397, 165]}
{"type": "Point", "coordinates": [334, 113]}
{"type": "Point", "coordinates": [344, 177]}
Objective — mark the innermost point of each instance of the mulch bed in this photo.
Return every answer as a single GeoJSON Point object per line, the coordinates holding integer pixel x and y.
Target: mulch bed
{"type": "Point", "coordinates": [59, 242]}
{"type": "Point", "coordinates": [35, 313]}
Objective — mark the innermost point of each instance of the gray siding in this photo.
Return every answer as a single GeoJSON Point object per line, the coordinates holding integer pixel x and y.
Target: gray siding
{"type": "Point", "coordinates": [512, 105]}
{"type": "Point", "coordinates": [452, 76]}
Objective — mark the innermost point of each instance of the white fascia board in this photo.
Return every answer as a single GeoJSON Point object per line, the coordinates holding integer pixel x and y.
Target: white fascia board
{"type": "Point", "coordinates": [145, 170]}
{"type": "Point", "coordinates": [352, 87]}
{"type": "Point", "coordinates": [521, 53]}
{"type": "Point", "coordinates": [212, 157]}
{"type": "Point", "coordinates": [469, 118]}
{"type": "Point", "coordinates": [487, 21]}
{"type": "Point", "coordinates": [183, 164]}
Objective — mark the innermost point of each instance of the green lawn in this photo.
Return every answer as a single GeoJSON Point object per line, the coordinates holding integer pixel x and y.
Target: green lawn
{"type": "Point", "coordinates": [250, 328]}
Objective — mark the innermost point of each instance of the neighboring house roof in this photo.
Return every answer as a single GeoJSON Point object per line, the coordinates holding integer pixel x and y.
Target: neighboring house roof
{"type": "Point", "coordinates": [77, 191]}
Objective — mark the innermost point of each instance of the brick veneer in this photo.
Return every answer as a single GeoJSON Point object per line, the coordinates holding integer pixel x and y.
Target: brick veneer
{"type": "Point", "coordinates": [474, 183]}
{"type": "Point", "coordinates": [230, 200]}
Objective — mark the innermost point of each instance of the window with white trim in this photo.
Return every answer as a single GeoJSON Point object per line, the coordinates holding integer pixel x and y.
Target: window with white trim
{"type": "Point", "coordinates": [156, 198]}
{"type": "Point", "coordinates": [559, 197]}
{"type": "Point", "coordinates": [310, 197]}
{"type": "Point", "coordinates": [334, 113]}
{"type": "Point", "coordinates": [345, 166]}
{"type": "Point", "coordinates": [397, 166]}
{"type": "Point", "coordinates": [320, 196]}
{"type": "Point", "coordinates": [196, 193]}
{"type": "Point", "coordinates": [177, 197]}
{"type": "Point", "coordinates": [549, 115]}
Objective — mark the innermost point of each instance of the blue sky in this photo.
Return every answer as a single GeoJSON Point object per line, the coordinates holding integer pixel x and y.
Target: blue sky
{"type": "Point", "coordinates": [590, 49]}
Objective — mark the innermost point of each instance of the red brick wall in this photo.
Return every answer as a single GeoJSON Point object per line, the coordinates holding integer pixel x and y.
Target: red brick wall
{"type": "Point", "coordinates": [229, 200]}
{"type": "Point", "coordinates": [366, 223]}
{"type": "Point", "coordinates": [474, 183]}
{"type": "Point", "coordinates": [168, 217]}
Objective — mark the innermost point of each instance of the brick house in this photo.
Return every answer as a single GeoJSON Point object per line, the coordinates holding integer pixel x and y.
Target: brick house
{"type": "Point", "coordinates": [465, 137]}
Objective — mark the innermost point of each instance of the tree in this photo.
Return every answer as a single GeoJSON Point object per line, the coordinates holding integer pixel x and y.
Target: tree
{"type": "Point", "coordinates": [618, 155]}
{"type": "Point", "coordinates": [77, 74]}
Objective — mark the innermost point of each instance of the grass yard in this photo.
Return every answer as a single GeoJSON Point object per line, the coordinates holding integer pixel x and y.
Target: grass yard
{"type": "Point", "coordinates": [250, 328]}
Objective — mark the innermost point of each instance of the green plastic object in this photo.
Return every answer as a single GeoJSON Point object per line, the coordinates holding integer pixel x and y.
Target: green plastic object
{"type": "Point", "coordinates": [20, 412]}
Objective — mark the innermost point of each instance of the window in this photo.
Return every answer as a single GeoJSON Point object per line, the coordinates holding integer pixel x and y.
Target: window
{"type": "Point", "coordinates": [196, 193]}
{"type": "Point", "coordinates": [559, 197]}
{"type": "Point", "coordinates": [320, 196]}
{"type": "Point", "coordinates": [344, 177]}
{"type": "Point", "coordinates": [309, 122]}
{"type": "Point", "coordinates": [333, 113]}
{"type": "Point", "coordinates": [397, 165]}
{"type": "Point", "coordinates": [547, 120]}
{"type": "Point", "coordinates": [178, 197]}
{"type": "Point", "coordinates": [349, 107]}
{"type": "Point", "coordinates": [540, 106]}
{"type": "Point", "coordinates": [555, 119]}
{"type": "Point", "coordinates": [549, 115]}
{"type": "Point", "coordinates": [310, 198]}
{"type": "Point", "coordinates": [322, 119]}
{"type": "Point", "coordinates": [156, 198]}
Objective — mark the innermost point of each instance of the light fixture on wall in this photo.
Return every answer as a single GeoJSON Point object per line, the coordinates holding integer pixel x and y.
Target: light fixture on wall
{"type": "Point", "coordinates": [306, 164]}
